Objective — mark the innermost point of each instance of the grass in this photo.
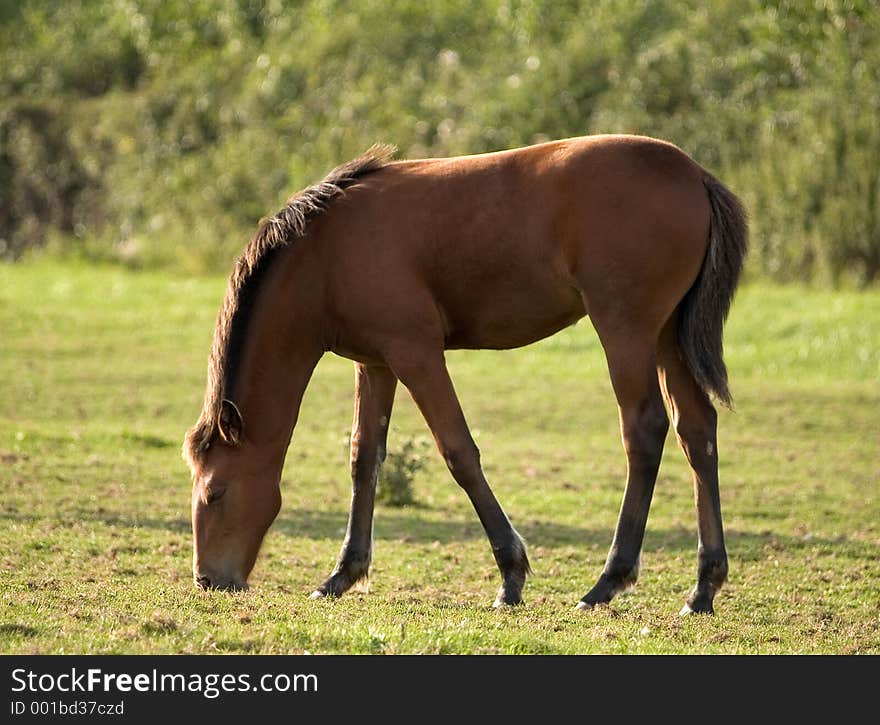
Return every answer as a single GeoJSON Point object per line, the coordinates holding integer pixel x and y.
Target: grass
{"type": "Point", "coordinates": [103, 370]}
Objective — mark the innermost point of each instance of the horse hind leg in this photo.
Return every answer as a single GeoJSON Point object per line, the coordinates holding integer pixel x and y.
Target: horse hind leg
{"type": "Point", "coordinates": [643, 425]}
{"type": "Point", "coordinates": [695, 422]}
{"type": "Point", "coordinates": [374, 397]}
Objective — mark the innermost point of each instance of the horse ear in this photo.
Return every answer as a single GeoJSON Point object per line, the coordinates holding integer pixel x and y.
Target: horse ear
{"type": "Point", "coordinates": [230, 423]}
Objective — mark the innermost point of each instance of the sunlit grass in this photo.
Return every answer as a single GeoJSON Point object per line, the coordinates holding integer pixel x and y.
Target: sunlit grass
{"type": "Point", "coordinates": [103, 370]}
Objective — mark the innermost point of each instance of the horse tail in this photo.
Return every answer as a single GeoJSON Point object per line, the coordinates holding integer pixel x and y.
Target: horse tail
{"type": "Point", "coordinates": [705, 305]}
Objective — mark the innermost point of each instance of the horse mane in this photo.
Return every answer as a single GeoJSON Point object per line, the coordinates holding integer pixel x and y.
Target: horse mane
{"type": "Point", "coordinates": [273, 233]}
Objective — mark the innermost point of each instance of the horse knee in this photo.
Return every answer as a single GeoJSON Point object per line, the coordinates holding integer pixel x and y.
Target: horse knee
{"type": "Point", "coordinates": [463, 462]}
{"type": "Point", "coordinates": [365, 465]}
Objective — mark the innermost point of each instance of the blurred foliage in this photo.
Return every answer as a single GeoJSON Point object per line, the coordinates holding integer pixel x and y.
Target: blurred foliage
{"type": "Point", "coordinates": [406, 457]}
{"type": "Point", "coordinates": [160, 131]}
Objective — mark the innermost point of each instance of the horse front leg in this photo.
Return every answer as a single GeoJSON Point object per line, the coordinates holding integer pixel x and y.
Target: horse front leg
{"type": "Point", "coordinates": [374, 398]}
{"type": "Point", "coordinates": [428, 381]}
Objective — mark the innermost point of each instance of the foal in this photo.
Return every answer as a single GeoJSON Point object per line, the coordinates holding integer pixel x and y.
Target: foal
{"type": "Point", "coordinates": [392, 263]}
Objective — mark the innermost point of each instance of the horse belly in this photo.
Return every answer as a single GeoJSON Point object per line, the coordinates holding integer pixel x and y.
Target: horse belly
{"type": "Point", "coordinates": [514, 314]}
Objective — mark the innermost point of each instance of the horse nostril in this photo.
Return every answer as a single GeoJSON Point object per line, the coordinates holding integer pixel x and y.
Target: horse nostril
{"type": "Point", "coordinates": [203, 582]}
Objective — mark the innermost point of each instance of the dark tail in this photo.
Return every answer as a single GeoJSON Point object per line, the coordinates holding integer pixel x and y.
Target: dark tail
{"type": "Point", "coordinates": [705, 306]}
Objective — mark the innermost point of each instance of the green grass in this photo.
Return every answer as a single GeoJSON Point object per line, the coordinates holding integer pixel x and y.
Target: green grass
{"type": "Point", "coordinates": [102, 371]}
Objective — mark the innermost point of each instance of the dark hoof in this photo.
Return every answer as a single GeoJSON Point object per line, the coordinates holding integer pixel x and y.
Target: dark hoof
{"type": "Point", "coordinates": [513, 563]}
{"type": "Point", "coordinates": [331, 589]}
{"type": "Point", "coordinates": [507, 599]}
{"type": "Point", "coordinates": [351, 570]}
{"type": "Point", "coordinates": [602, 593]}
{"type": "Point", "coordinates": [336, 585]}
{"type": "Point", "coordinates": [698, 603]}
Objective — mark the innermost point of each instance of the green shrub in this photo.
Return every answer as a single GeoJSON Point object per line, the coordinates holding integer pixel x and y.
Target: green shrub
{"type": "Point", "coordinates": [159, 132]}
{"type": "Point", "coordinates": [404, 461]}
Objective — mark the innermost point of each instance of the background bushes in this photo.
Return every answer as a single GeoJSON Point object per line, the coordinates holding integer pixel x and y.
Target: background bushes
{"type": "Point", "coordinates": [157, 132]}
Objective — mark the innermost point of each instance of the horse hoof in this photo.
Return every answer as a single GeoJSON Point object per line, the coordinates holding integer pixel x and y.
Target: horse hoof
{"type": "Point", "coordinates": [317, 594]}
{"type": "Point", "coordinates": [688, 611]}
{"type": "Point", "coordinates": [502, 603]}
{"type": "Point", "coordinates": [583, 606]}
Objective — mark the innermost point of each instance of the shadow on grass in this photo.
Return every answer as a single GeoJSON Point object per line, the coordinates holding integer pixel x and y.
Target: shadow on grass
{"type": "Point", "coordinates": [406, 527]}
{"type": "Point", "coordinates": [409, 526]}
{"type": "Point", "coordinates": [18, 630]}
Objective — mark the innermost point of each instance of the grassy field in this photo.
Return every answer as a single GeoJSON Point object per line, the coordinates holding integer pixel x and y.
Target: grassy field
{"type": "Point", "coordinates": [102, 371]}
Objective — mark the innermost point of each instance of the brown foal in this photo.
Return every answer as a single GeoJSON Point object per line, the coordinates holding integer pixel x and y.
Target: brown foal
{"type": "Point", "coordinates": [392, 263]}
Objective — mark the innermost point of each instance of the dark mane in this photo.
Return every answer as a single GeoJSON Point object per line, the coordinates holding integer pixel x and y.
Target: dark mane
{"type": "Point", "coordinates": [272, 234]}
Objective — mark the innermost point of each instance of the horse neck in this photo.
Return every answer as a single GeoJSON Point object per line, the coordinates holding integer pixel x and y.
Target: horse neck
{"type": "Point", "coordinates": [283, 343]}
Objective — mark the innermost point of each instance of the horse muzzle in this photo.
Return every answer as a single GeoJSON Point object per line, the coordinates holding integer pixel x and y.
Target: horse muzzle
{"type": "Point", "coordinates": [205, 583]}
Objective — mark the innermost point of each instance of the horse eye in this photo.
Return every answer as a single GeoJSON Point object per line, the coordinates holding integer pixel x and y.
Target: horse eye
{"type": "Point", "coordinates": [214, 494]}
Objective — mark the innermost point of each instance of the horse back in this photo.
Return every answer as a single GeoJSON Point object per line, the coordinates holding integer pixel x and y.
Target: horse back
{"type": "Point", "coordinates": [498, 250]}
